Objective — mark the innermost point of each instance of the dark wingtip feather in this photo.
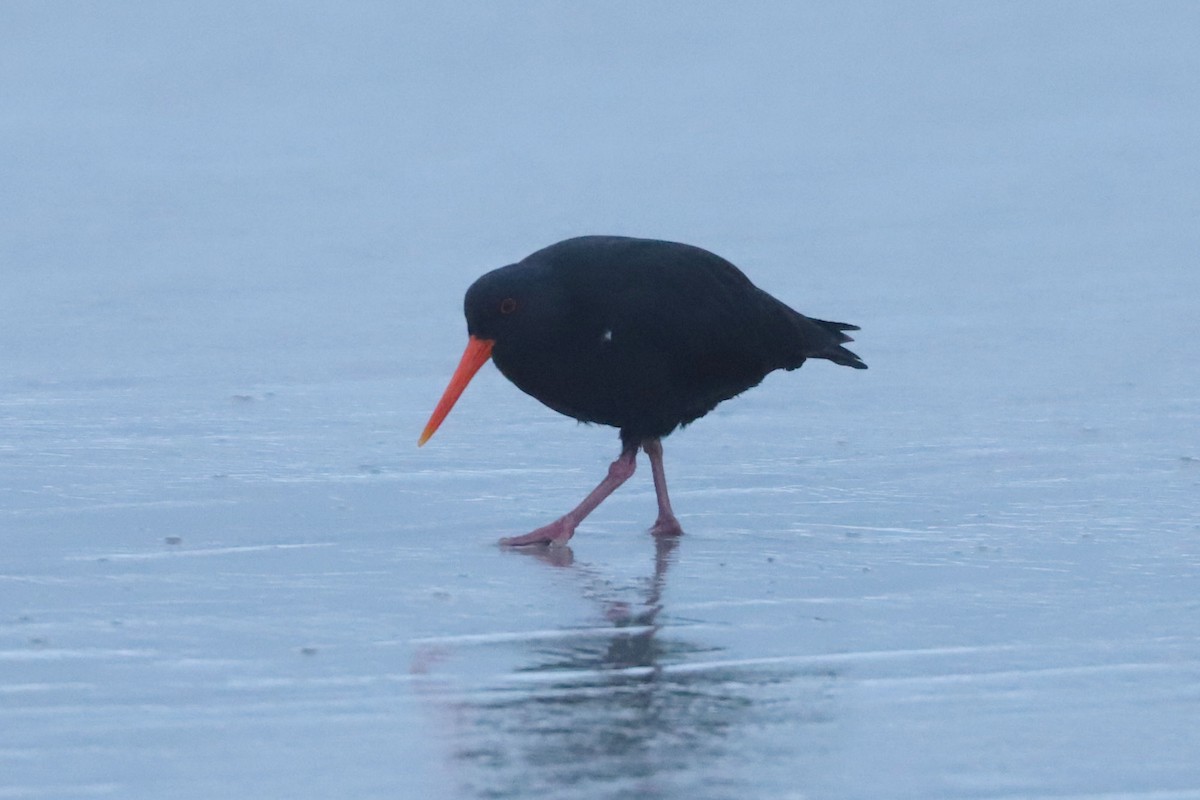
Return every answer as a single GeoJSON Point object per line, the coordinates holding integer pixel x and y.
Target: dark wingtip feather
{"type": "Point", "coordinates": [846, 358]}
{"type": "Point", "coordinates": [838, 354]}
{"type": "Point", "coordinates": [839, 328]}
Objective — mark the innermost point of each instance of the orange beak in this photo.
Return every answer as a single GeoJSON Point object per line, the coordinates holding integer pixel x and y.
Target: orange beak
{"type": "Point", "coordinates": [478, 351]}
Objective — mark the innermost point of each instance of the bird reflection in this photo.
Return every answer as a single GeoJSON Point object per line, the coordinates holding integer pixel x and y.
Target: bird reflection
{"type": "Point", "coordinates": [633, 640]}
{"type": "Point", "coordinates": [626, 710]}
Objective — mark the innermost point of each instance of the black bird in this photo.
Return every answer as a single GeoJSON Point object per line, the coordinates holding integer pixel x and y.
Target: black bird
{"type": "Point", "coordinates": [640, 334]}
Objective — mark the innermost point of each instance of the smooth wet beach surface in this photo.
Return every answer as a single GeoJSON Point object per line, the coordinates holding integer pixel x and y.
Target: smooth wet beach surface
{"type": "Point", "coordinates": [234, 285]}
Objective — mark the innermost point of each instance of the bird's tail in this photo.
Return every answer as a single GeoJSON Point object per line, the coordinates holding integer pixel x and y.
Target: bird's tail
{"type": "Point", "coordinates": [835, 352]}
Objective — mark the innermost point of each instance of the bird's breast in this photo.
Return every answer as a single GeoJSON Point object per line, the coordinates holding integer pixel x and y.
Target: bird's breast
{"type": "Point", "coordinates": [593, 376]}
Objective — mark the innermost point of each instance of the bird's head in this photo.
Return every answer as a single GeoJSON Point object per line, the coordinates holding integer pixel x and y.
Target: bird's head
{"type": "Point", "coordinates": [506, 306]}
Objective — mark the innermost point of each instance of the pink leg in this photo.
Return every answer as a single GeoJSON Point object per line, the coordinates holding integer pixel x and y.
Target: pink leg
{"type": "Point", "coordinates": [666, 524]}
{"type": "Point", "coordinates": [563, 528]}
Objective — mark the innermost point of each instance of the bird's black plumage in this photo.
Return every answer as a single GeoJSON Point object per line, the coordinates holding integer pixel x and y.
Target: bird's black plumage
{"type": "Point", "coordinates": [640, 334]}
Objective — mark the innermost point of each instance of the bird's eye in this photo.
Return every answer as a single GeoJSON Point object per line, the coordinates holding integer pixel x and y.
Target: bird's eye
{"type": "Point", "coordinates": [508, 305]}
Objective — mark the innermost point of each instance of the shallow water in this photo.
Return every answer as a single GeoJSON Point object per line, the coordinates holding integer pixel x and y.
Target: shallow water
{"type": "Point", "coordinates": [971, 571]}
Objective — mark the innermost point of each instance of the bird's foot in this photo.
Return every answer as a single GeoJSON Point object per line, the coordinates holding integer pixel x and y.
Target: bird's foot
{"type": "Point", "coordinates": [666, 526]}
{"type": "Point", "coordinates": [556, 534]}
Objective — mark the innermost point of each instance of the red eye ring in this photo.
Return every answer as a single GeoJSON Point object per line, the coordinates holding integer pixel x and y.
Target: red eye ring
{"type": "Point", "coordinates": [508, 305]}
